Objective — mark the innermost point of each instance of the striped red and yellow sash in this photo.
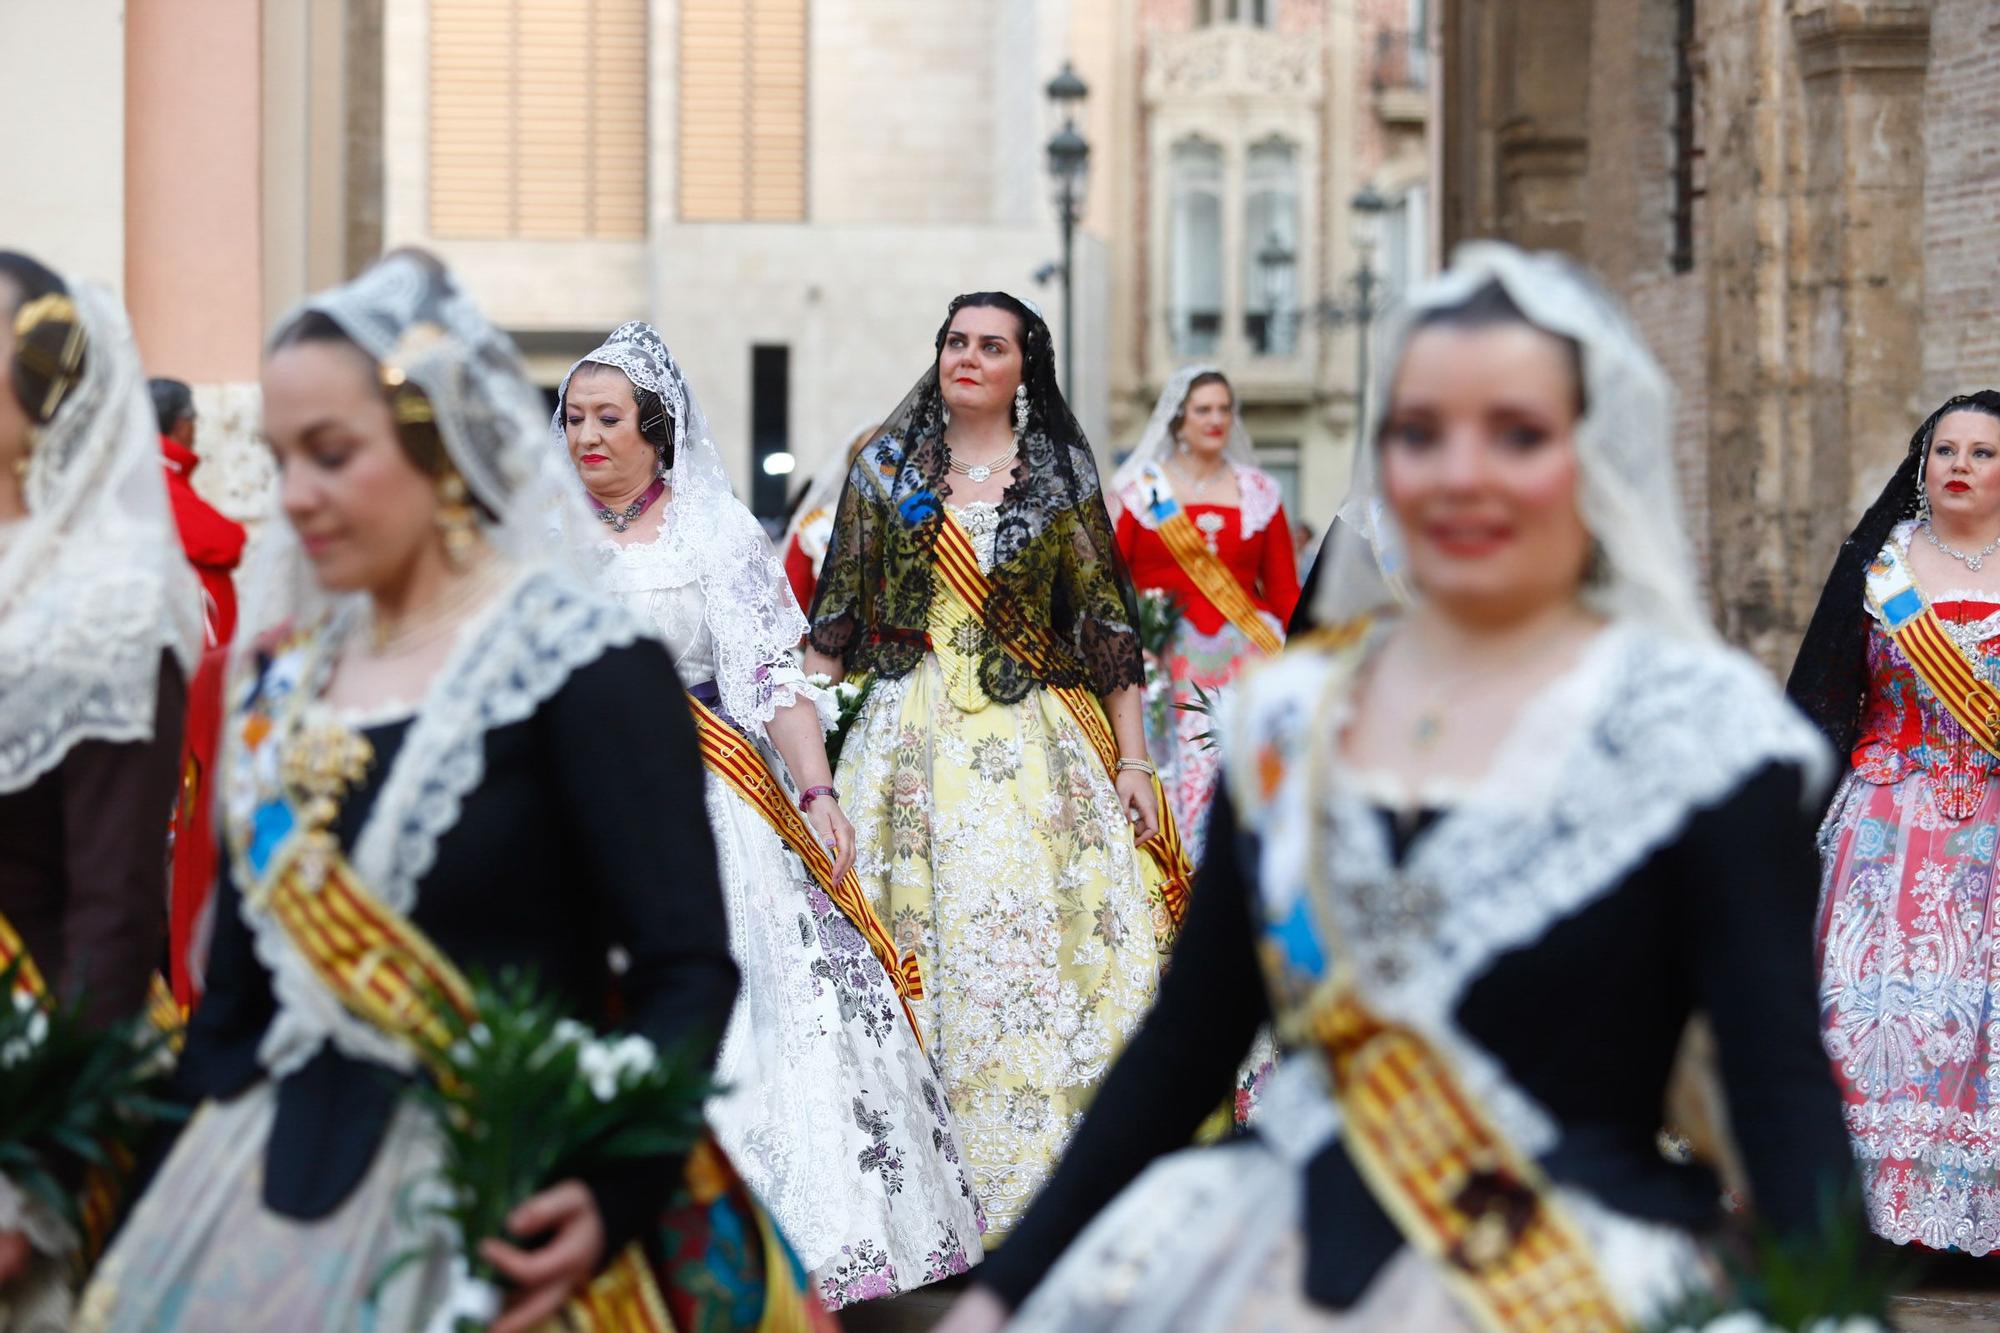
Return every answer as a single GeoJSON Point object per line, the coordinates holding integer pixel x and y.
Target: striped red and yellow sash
{"type": "Point", "coordinates": [1453, 1184]}
{"type": "Point", "coordinates": [1203, 566]}
{"type": "Point", "coordinates": [378, 964]}
{"type": "Point", "coordinates": [958, 570]}
{"type": "Point", "coordinates": [1918, 632]}
{"type": "Point", "coordinates": [28, 981]}
{"type": "Point", "coordinates": [731, 757]}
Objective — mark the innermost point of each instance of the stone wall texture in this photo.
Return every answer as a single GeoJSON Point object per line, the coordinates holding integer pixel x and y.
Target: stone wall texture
{"type": "Point", "coordinates": [1825, 269]}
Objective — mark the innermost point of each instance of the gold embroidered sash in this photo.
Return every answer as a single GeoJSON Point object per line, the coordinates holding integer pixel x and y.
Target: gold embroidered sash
{"type": "Point", "coordinates": [1918, 632]}
{"type": "Point", "coordinates": [1463, 1195]}
{"type": "Point", "coordinates": [958, 572]}
{"type": "Point", "coordinates": [1203, 566]}
{"type": "Point", "coordinates": [731, 757]}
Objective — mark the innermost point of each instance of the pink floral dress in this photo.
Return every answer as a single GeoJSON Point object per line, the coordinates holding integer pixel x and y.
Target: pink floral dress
{"type": "Point", "coordinates": [1909, 981]}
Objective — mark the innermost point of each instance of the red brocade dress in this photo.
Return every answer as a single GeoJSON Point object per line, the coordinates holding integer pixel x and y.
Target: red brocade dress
{"type": "Point", "coordinates": [1909, 978]}
{"type": "Point", "coordinates": [1255, 541]}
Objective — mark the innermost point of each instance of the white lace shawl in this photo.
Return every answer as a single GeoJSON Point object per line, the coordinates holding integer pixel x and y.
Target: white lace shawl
{"type": "Point", "coordinates": [747, 606]}
{"type": "Point", "coordinates": [1259, 499]}
{"type": "Point", "coordinates": [1602, 769]}
{"type": "Point", "coordinates": [93, 583]}
{"type": "Point", "coordinates": [508, 660]}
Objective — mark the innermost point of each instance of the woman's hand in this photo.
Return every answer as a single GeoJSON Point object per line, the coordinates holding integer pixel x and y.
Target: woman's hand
{"type": "Point", "coordinates": [835, 834]}
{"type": "Point", "coordinates": [15, 1254]}
{"type": "Point", "coordinates": [1135, 794]}
{"type": "Point", "coordinates": [977, 1311]}
{"type": "Point", "coordinates": [546, 1277]}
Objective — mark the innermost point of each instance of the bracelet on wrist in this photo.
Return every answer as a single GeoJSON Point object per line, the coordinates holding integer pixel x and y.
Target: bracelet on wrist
{"type": "Point", "coordinates": [811, 794]}
{"type": "Point", "coordinates": [1138, 766]}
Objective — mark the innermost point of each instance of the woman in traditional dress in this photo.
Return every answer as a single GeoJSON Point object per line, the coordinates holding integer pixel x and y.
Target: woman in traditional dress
{"type": "Point", "coordinates": [973, 575]}
{"type": "Point", "coordinates": [100, 624]}
{"type": "Point", "coordinates": [1479, 859]}
{"type": "Point", "coordinates": [1201, 523]}
{"type": "Point", "coordinates": [1898, 670]}
{"type": "Point", "coordinates": [811, 528]}
{"type": "Point", "coordinates": [832, 1110]}
{"type": "Point", "coordinates": [458, 745]}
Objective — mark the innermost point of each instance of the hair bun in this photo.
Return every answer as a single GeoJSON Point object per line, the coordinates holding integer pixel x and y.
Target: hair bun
{"type": "Point", "coordinates": [49, 345]}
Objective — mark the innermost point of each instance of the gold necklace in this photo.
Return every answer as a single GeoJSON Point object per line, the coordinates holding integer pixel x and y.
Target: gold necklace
{"type": "Point", "coordinates": [433, 621]}
{"type": "Point", "coordinates": [1428, 727]}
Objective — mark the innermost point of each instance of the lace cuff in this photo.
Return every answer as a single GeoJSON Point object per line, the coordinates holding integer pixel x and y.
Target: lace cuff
{"type": "Point", "coordinates": [23, 1212]}
{"type": "Point", "coordinates": [784, 683]}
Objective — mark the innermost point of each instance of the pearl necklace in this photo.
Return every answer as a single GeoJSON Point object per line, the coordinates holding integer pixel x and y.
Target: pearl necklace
{"type": "Point", "coordinates": [978, 472]}
{"type": "Point", "coordinates": [1972, 560]}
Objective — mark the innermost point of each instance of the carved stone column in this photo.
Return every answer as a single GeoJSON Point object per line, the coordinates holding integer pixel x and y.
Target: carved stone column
{"type": "Point", "coordinates": [1863, 68]}
{"type": "Point", "coordinates": [1815, 278]}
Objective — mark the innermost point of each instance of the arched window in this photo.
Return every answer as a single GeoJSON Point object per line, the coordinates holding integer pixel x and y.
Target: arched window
{"type": "Point", "coordinates": [1194, 279]}
{"type": "Point", "coordinates": [1270, 233]}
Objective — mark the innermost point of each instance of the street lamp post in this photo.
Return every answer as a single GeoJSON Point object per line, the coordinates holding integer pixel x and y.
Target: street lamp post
{"type": "Point", "coordinates": [1069, 166]}
{"type": "Point", "coordinates": [1360, 309]}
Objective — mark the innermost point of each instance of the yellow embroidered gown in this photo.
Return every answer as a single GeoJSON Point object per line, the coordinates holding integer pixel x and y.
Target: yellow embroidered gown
{"type": "Point", "coordinates": [995, 846]}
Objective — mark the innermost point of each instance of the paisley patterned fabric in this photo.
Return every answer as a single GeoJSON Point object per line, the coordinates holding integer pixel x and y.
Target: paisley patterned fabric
{"type": "Point", "coordinates": [995, 847]}
{"type": "Point", "coordinates": [1909, 980]}
{"type": "Point", "coordinates": [833, 1114]}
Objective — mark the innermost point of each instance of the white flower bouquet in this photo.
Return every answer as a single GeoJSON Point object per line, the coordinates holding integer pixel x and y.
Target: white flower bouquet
{"type": "Point", "coordinates": [848, 697]}
{"type": "Point", "coordinates": [527, 1097]}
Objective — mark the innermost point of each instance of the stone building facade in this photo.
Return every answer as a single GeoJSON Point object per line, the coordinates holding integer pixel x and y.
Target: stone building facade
{"type": "Point", "coordinates": [1800, 200]}
{"type": "Point", "coordinates": [1245, 128]}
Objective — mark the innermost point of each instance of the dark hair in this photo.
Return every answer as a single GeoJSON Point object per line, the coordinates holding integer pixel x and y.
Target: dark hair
{"type": "Point", "coordinates": [1037, 354]}
{"type": "Point", "coordinates": [1206, 377]}
{"type": "Point", "coordinates": [49, 356]}
{"type": "Point", "coordinates": [416, 424]}
{"type": "Point", "coordinates": [656, 424]}
{"type": "Point", "coordinates": [1490, 307]}
{"type": "Point", "coordinates": [173, 402]}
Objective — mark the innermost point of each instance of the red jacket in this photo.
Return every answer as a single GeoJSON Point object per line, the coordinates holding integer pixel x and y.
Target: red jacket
{"type": "Point", "coordinates": [213, 542]}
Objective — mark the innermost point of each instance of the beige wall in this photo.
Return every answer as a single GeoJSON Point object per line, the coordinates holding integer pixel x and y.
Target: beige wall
{"type": "Point", "coordinates": [62, 76]}
{"type": "Point", "coordinates": [193, 275]}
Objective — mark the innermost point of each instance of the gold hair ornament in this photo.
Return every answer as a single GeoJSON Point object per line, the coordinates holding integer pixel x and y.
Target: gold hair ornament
{"type": "Point", "coordinates": [61, 370]}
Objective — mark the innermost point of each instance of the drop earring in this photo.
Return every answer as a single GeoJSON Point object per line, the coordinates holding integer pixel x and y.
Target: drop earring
{"type": "Point", "coordinates": [456, 521]}
{"type": "Point", "coordinates": [1020, 410]}
{"type": "Point", "coordinates": [1924, 490]}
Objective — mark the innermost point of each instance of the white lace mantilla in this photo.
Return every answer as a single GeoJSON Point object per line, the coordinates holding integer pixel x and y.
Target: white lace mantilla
{"type": "Point", "coordinates": [509, 659]}
{"type": "Point", "coordinates": [1602, 769]}
{"type": "Point", "coordinates": [710, 586]}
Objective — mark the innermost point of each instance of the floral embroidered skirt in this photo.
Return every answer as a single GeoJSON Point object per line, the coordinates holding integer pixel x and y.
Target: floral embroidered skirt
{"type": "Point", "coordinates": [202, 1252]}
{"type": "Point", "coordinates": [833, 1114]}
{"type": "Point", "coordinates": [994, 845]}
{"type": "Point", "coordinates": [1210, 1240]}
{"type": "Point", "coordinates": [1910, 1007]}
{"type": "Point", "coordinates": [1189, 766]}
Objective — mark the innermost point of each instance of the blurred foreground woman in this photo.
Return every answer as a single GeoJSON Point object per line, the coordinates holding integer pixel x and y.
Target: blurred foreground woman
{"type": "Point", "coordinates": [100, 623]}
{"type": "Point", "coordinates": [434, 769]}
{"type": "Point", "coordinates": [1479, 860]}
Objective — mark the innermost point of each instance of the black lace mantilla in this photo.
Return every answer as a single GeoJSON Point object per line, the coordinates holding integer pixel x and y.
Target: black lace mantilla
{"type": "Point", "coordinates": [1055, 563]}
{"type": "Point", "coordinates": [1829, 681]}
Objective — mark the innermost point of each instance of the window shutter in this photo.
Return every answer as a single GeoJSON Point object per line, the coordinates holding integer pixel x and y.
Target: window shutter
{"type": "Point", "coordinates": [538, 118]}
{"type": "Point", "coordinates": [743, 110]}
